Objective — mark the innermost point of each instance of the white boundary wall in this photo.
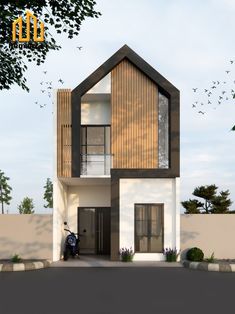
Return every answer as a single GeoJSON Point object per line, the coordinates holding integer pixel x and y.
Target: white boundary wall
{"type": "Point", "coordinates": [211, 233]}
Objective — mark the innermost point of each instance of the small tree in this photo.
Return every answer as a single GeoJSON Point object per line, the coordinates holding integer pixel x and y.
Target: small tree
{"type": "Point", "coordinates": [212, 203]}
{"type": "Point", "coordinates": [5, 190]}
{"type": "Point", "coordinates": [48, 194]}
{"type": "Point", "coordinates": [26, 206]}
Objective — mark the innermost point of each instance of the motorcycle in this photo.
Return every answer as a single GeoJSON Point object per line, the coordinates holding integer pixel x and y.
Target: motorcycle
{"type": "Point", "coordinates": [71, 245]}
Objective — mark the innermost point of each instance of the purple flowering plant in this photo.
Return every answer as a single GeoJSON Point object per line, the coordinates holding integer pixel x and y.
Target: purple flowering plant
{"type": "Point", "coordinates": [126, 254]}
{"type": "Point", "coordinates": [171, 254]}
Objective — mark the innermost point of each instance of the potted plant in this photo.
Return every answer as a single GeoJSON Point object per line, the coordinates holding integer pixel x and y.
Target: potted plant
{"type": "Point", "coordinates": [126, 254]}
{"type": "Point", "coordinates": [171, 254]}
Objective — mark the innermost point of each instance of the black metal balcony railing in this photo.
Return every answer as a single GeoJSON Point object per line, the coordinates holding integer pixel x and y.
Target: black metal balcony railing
{"type": "Point", "coordinates": [95, 165]}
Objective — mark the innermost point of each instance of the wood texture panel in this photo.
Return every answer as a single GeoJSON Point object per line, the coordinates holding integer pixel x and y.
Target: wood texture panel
{"type": "Point", "coordinates": [64, 133]}
{"type": "Point", "coordinates": [134, 118]}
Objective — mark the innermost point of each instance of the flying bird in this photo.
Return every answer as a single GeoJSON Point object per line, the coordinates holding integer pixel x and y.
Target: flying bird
{"type": "Point", "coordinates": [201, 112]}
{"type": "Point", "coordinates": [45, 72]}
{"type": "Point", "coordinates": [42, 90]}
{"type": "Point", "coordinates": [61, 81]}
{"type": "Point", "coordinates": [227, 71]}
{"type": "Point", "coordinates": [231, 61]}
{"type": "Point", "coordinates": [193, 106]}
{"type": "Point", "coordinates": [79, 47]}
{"type": "Point", "coordinates": [195, 89]}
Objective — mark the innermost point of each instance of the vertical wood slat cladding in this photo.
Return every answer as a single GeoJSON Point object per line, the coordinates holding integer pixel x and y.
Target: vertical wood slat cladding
{"type": "Point", "coordinates": [134, 100]}
{"type": "Point", "coordinates": [64, 133]}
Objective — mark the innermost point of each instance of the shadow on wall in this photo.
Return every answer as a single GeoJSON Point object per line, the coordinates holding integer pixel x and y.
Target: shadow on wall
{"type": "Point", "coordinates": [30, 236]}
{"type": "Point", "coordinates": [185, 236]}
{"type": "Point", "coordinates": [36, 250]}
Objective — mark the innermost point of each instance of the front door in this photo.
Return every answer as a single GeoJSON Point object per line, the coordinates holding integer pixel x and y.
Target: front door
{"type": "Point", "coordinates": [94, 228]}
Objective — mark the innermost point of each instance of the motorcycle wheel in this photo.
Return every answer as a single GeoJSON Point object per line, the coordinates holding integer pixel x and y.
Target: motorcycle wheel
{"type": "Point", "coordinates": [66, 254]}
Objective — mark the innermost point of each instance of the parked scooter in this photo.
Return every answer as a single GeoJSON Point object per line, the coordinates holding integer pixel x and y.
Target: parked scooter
{"type": "Point", "coordinates": [71, 245]}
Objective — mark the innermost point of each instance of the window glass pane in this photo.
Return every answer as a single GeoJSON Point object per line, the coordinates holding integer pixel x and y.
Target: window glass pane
{"type": "Point", "coordinates": [163, 129]}
{"type": "Point", "coordinates": [95, 135]}
{"type": "Point", "coordinates": [141, 212]}
{"type": "Point", "coordinates": [148, 228]}
{"type": "Point", "coordinates": [143, 244]}
{"type": "Point", "coordinates": [141, 228]}
{"type": "Point", "coordinates": [96, 150]}
{"type": "Point", "coordinates": [83, 136]}
{"type": "Point", "coordinates": [156, 244]}
{"type": "Point", "coordinates": [107, 140]}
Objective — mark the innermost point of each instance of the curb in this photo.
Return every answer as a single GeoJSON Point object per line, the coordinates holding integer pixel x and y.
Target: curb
{"type": "Point", "coordinates": [25, 266]}
{"type": "Point", "coordinates": [219, 267]}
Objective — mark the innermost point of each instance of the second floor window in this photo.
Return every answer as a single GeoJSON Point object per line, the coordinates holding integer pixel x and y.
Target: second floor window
{"type": "Point", "coordinates": [95, 140]}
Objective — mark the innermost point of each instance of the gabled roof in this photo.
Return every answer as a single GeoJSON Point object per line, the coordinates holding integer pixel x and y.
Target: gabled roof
{"type": "Point", "coordinates": [114, 60]}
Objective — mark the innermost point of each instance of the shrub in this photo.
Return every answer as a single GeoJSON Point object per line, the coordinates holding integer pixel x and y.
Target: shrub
{"type": "Point", "coordinates": [16, 258]}
{"type": "Point", "coordinates": [171, 255]}
{"type": "Point", "coordinates": [210, 259]}
{"type": "Point", "coordinates": [126, 254]}
{"type": "Point", "coordinates": [195, 255]}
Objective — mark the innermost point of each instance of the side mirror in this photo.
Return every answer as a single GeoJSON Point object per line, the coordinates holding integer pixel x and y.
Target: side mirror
{"type": "Point", "coordinates": [65, 223]}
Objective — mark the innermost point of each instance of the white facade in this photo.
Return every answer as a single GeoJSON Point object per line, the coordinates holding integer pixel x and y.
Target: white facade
{"type": "Point", "coordinates": [148, 191]}
{"type": "Point", "coordinates": [68, 197]}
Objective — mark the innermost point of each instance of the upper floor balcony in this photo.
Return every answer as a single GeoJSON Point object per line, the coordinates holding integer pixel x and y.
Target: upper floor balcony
{"type": "Point", "coordinates": [96, 165]}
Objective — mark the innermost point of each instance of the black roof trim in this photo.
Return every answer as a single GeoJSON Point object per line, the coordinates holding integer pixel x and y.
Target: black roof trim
{"type": "Point", "coordinates": [114, 60]}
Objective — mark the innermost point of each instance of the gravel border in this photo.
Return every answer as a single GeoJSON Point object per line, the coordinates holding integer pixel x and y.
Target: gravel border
{"type": "Point", "coordinates": [24, 266]}
{"type": "Point", "coordinates": [219, 267]}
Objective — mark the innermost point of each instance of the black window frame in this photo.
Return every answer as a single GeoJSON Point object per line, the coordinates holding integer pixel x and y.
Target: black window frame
{"type": "Point", "coordinates": [135, 235]}
{"type": "Point", "coordinates": [104, 126]}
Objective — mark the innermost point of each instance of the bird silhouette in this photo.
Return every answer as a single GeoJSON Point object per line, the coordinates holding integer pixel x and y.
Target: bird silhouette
{"type": "Point", "coordinates": [79, 47]}
{"type": "Point", "coordinates": [195, 89]}
{"type": "Point", "coordinates": [61, 81]}
{"type": "Point", "coordinates": [201, 112]}
{"type": "Point", "coordinates": [227, 71]}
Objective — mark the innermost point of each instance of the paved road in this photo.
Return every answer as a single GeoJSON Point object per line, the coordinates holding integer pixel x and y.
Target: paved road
{"type": "Point", "coordinates": [116, 291]}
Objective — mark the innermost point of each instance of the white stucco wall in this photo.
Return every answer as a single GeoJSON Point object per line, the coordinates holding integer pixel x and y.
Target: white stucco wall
{"type": "Point", "coordinates": [149, 191]}
{"type": "Point", "coordinates": [59, 216]}
{"type": "Point", "coordinates": [67, 198]}
{"type": "Point", "coordinates": [83, 196]}
{"type": "Point", "coordinates": [96, 112]}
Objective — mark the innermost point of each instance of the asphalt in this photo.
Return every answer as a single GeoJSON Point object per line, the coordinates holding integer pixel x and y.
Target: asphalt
{"type": "Point", "coordinates": [123, 290]}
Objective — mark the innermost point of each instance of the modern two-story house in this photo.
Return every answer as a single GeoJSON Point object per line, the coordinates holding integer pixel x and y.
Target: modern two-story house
{"type": "Point", "coordinates": [117, 160]}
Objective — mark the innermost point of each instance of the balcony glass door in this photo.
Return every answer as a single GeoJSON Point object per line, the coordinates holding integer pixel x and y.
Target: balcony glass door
{"type": "Point", "coordinates": [95, 150]}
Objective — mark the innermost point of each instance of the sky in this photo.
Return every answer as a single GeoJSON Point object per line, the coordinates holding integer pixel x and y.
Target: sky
{"type": "Point", "coordinates": [190, 43]}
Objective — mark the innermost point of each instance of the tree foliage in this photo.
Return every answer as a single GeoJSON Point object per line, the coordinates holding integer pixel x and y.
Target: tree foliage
{"type": "Point", "coordinates": [5, 190]}
{"type": "Point", "coordinates": [211, 204]}
{"type": "Point", "coordinates": [63, 16]}
{"type": "Point", "coordinates": [48, 194]}
{"type": "Point", "coordinates": [26, 206]}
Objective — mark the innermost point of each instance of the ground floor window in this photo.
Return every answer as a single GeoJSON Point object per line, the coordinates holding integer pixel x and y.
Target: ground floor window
{"type": "Point", "coordinates": [149, 228]}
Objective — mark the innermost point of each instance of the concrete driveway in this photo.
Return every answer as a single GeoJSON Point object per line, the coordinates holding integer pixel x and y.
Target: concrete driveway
{"type": "Point", "coordinates": [116, 291]}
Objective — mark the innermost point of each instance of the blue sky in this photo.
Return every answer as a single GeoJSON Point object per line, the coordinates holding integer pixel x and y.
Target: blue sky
{"type": "Point", "coordinates": [188, 42]}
